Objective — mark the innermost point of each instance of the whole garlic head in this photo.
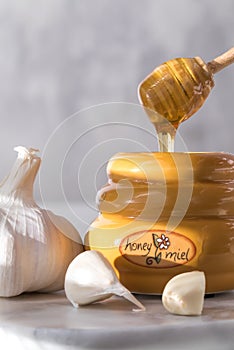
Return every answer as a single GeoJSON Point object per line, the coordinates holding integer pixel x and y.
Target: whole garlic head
{"type": "Point", "coordinates": [184, 293]}
{"type": "Point", "coordinates": [35, 248]}
{"type": "Point", "coordinates": [91, 278]}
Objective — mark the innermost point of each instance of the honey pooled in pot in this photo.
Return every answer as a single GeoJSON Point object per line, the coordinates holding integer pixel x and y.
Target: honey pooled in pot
{"type": "Point", "coordinates": [175, 90]}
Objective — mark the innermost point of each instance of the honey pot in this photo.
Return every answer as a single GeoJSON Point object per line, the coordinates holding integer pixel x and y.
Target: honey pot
{"type": "Point", "coordinates": [165, 213]}
{"type": "Point", "coordinates": [162, 214]}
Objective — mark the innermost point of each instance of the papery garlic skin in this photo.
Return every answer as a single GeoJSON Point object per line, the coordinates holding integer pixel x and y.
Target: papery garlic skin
{"type": "Point", "coordinates": [91, 278]}
{"type": "Point", "coordinates": [34, 250]}
{"type": "Point", "coordinates": [184, 293]}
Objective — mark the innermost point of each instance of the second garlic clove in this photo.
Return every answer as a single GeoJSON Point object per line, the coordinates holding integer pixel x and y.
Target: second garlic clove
{"type": "Point", "coordinates": [184, 293]}
{"type": "Point", "coordinates": [91, 278]}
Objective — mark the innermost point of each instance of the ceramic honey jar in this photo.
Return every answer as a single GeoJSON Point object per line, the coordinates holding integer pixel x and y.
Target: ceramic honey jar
{"type": "Point", "coordinates": [162, 214]}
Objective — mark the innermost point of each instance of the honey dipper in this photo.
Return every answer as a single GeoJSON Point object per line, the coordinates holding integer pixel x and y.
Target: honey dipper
{"type": "Point", "coordinates": [175, 90]}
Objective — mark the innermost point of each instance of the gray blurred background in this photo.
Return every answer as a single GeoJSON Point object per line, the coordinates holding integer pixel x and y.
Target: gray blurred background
{"type": "Point", "coordinates": [59, 57]}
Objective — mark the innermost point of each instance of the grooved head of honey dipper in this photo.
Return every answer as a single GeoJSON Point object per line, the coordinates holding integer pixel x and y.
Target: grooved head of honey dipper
{"type": "Point", "coordinates": [176, 89]}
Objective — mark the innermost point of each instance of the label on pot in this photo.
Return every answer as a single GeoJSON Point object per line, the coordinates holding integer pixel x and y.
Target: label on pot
{"type": "Point", "coordinates": [157, 248]}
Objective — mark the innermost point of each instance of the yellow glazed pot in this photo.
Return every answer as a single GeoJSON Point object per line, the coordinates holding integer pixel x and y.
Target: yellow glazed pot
{"type": "Point", "coordinates": [162, 214]}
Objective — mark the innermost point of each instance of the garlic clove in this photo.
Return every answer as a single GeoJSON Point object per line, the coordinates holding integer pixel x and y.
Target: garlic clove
{"type": "Point", "coordinates": [184, 293]}
{"type": "Point", "coordinates": [91, 278]}
{"type": "Point", "coordinates": [88, 279]}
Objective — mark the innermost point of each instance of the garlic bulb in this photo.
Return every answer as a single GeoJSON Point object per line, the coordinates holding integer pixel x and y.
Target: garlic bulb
{"type": "Point", "coordinates": [91, 278]}
{"type": "Point", "coordinates": [184, 293]}
{"type": "Point", "coordinates": [35, 248]}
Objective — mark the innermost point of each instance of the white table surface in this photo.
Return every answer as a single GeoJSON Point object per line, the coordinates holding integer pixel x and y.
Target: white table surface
{"type": "Point", "coordinates": [49, 321]}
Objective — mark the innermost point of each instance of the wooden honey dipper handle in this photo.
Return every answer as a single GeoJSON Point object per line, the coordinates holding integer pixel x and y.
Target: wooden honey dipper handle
{"type": "Point", "coordinates": [221, 61]}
